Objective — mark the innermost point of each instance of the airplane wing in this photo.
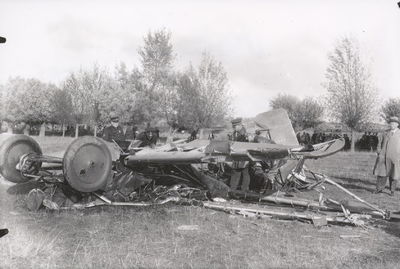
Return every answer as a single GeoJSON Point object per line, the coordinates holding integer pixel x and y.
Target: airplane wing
{"type": "Point", "coordinates": [202, 151]}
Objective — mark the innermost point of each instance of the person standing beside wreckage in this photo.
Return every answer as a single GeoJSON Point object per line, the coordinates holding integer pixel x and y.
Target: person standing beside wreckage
{"type": "Point", "coordinates": [388, 160]}
{"type": "Point", "coordinates": [114, 131]}
{"type": "Point", "coordinates": [148, 138]}
{"type": "Point", "coordinates": [241, 168]}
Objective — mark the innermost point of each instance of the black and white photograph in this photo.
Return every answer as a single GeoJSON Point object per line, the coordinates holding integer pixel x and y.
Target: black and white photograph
{"type": "Point", "coordinates": [199, 134]}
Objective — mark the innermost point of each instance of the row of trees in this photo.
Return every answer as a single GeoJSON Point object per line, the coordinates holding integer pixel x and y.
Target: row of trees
{"type": "Point", "coordinates": [154, 92]}
{"type": "Point", "coordinates": [196, 97]}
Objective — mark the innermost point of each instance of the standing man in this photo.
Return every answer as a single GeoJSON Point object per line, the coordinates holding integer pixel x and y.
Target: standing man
{"type": "Point", "coordinates": [388, 161]}
{"type": "Point", "coordinates": [114, 131]}
{"type": "Point", "coordinates": [241, 167]}
{"type": "Point", "coordinates": [239, 131]}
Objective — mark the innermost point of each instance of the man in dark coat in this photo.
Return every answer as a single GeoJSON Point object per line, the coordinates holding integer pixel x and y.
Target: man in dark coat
{"type": "Point", "coordinates": [241, 168]}
{"type": "Point", "coordinates": [239, 131]}
{"type": "Point", "coordinates": [114, 131]}
{"type": "Point", "coordinates": [388, 161]}
{"type": "Point", "coordinates": [148, 138]}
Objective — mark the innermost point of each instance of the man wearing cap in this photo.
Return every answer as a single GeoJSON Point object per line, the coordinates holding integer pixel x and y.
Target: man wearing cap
{"type": "Point", "coordinates": [388, 160]}
{"type": "Point", "coordinates": [149, 137]}
{"type": "Point", "coordinates": [241, 167]}
{"type": "Point", "coordinates": [239, 131]}
{"type": "Point", "coordinates": [114, 131]}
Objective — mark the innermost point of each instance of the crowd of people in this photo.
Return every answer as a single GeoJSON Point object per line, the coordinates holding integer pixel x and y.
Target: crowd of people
{"type": "Point", "coordinates": [368, 142]}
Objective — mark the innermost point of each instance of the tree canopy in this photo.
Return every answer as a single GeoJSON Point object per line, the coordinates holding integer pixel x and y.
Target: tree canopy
{"type": "Point", "coordinates": [27, 100]}
{"type": "Point", "coordinates": [155, 77]}
{"type": "Point", "coordinates": [351, 94]}
{"type": "Point", "coordinates": [302, 113]}
{"type": "Point", "coordinates": [204, 95]}
{"type": "Point", "coordinates": [390, 107]}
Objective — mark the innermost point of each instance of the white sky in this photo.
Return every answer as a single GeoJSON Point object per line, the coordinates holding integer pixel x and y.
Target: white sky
{"type": "Point", "coordinates": [267, 47]}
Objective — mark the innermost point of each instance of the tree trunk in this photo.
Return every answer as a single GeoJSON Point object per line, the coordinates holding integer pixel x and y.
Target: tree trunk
{"type": "Point", "coordinates": [63, 130]}
{"type": "Point", "coordinates": [4, 126]}
{"type": "Point", "coordinates": [77, 130]}
{"type": "Point", "coordinates": [353, 140]}
{"type": "Point", "coordinates": [27, 129]}
{"type": "Point", "coordinates": [10, 127]}
{"type": "Point", "coordinates": [201, 133]}
{"type": "Point", "coordinates": [95, 130]}
{"type": "Point", "coordinates": [170, 136]}
{"type": "Point", "coordinates": [42, 132]}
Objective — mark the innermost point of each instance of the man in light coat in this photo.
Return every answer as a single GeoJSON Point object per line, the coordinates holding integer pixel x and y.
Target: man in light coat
{"type": "Point", "coordinates": [388, 161]}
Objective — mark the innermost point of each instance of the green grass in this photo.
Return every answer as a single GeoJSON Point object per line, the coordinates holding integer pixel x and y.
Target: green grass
{"type": "Point", "coordinates": [129, 237]}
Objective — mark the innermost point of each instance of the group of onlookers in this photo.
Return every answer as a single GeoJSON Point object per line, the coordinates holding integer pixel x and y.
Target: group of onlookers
{"type": "Point", "coordinates": [304, 138]}
{"type": "Point", "coordinates": [368, 142]}
{"type": "Point", "coordinates": [386, 144]}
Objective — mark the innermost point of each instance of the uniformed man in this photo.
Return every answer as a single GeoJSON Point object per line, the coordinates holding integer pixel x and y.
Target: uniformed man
{"type": "Point", "coordinates": [239, 131]}
{"type": "Point", "coordinates": [149, 137]}
{"type": "Point", "coordinates": [114, 131]}
{"type": "Point", "coordinates": [241, 167]}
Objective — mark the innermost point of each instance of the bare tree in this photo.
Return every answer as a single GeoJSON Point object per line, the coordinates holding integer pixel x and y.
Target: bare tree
{"type": "Point", "coordinates": [86, 90]}
{"type": "Point", "coordinates": [205, 99]}
{"type": "Point", "coordinates": [351, 93]}
{"type": "Point", "coordinates": [157, 59]}
{"type": "Point", "coordinates": [61, 104]}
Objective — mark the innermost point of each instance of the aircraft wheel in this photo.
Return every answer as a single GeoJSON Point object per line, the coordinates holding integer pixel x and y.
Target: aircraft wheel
{"type": "Point", "coordinates": [87, 164]}
{"type": "Point", "coordinates": [11, 151]}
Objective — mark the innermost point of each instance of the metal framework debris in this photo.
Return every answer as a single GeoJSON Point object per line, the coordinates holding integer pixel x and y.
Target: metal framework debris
{"type": "Point", "coordinates": [186, 172]}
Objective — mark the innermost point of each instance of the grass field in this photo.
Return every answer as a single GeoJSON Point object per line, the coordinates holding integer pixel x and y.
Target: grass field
{"type": "Point", "coordinates": [127, 237]}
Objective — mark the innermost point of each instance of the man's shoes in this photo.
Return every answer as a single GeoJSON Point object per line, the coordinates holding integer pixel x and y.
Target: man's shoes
{"type": "Point", "coordinates": [377, 191]}
{"type": "Point", "coordinates": [391, 193]}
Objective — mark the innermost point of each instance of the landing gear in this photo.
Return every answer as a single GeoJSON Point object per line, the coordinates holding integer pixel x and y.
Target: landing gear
{"type": "Point", "coordinates": [87, 164]}
{"type": "Point", "coordinates": [11, 151]}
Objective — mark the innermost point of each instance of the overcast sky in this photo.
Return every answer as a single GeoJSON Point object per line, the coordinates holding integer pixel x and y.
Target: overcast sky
{"type": "Point", "coordinates": [267, 47]}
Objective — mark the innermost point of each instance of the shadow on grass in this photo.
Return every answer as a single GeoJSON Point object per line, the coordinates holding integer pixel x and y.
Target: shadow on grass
{"type": "Point", "coordinates": [24, 188]}
{"type": "Point", "coordinates": [356, 187]}
{"type": "Point", "coordinates": [355, 181]}
{"type": "Point", "coordinates": [357, 184]}
{"type": "Point", "coordinates": [392, 227]}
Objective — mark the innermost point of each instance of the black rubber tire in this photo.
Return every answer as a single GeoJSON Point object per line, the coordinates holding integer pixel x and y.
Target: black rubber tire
{"type": "Point", "coordinates": [11, 151]}
{"type": "Point", "coordinates": [87, 164]}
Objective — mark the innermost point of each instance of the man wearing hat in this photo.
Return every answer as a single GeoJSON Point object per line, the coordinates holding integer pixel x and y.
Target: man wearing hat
{"type": "Point", "coordinates": [241, 167]}
{"type": "Point", "coordinates": [114, 131]}
{"type": "Point", "coordinates": [149, 137]}
{"type": "Point", "coordinates": [388, 160]}
{"type": "Point", "coordinates": [239, 131]}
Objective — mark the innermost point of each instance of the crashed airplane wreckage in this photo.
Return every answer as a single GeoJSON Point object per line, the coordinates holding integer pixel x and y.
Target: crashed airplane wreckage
{"type": "Point", "coordinates": [187, 172]}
